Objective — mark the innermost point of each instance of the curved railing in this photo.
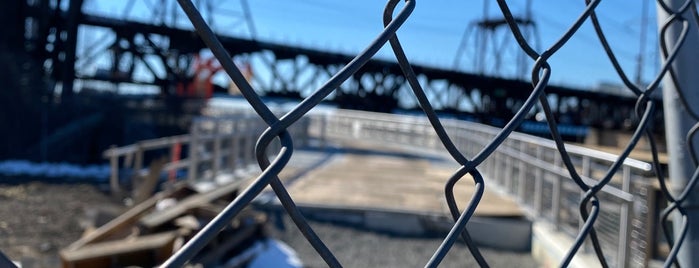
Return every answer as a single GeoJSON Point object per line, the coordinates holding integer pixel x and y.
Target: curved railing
{"type": "Point", "coordinates": [525, 167]}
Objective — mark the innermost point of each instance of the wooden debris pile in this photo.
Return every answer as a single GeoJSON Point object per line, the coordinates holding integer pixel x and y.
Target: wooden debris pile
{"type": "Point", "coordinates": [149, 232]}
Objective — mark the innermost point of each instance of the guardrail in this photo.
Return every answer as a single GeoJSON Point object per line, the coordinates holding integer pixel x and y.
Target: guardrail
{"type": "Point", "coordinates": [215, 145]}
{"type": "Point", "coordinates": [530, 170]}
{"type": "Point", "coordinates": [527, 168]}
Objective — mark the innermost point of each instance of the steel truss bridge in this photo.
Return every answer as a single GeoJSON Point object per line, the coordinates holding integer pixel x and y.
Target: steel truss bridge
{"type": "Point", "coordinates": [163, 47]}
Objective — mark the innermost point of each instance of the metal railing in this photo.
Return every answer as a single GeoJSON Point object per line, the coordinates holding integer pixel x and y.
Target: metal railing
{"type": "Point", "coordinates": [529, 169]}
{"type": "Point", "coordinates": [215, 145]}
{"type": "Point", "coordinates": [526, 167]}
{"type": "Point", "coordinates": [681, 17]}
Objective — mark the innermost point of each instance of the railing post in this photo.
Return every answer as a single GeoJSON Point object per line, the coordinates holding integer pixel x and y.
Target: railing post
{"type": "Point", "coordinates": [508, 168]}
{"type": "Point", "coordinates": [496, 170]}
{"type": "Point", "coordinates": [249, 148]}
{"type": "Point", "coordinates": [233, 148]}
{"type": "Point", "coordinates": [625, 220]}
{"type": "Point", "coordinates": [644, 216]}
{"type": "Point", "coordinates": [557, 195]}
{"type": "Point", "coordinates": [539, 183]}
{"type": "Point", "coordinates": [175, 154]}
{"type": "Point", "coordinates": [324, 130]}
{"type": "Point", "coordinates": [586, 173]}
{"type": "Point", "coordinates": [521, 189]}
{"type": "Point", "coordinates": [216, 165]}
{"type": "Point", "coordinates": [138, 165]}
{"type": "Point", "coordinates": [193, 153]}
{"type": "Point", "coordinates": [114, 172]}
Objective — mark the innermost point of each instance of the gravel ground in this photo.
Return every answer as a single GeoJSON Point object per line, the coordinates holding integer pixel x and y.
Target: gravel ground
{"type": "Point", "coordinates": [359, 248]}
{"type": "Point", "coordinates": [38, 219]}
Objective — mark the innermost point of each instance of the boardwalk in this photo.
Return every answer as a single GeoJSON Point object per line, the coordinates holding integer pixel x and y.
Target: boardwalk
{"type": "Point", "coordinates": [396, 190]}
{"type": "Point", "coordinates": [362, 176]}
{"type": "Point", "coordinates": [394, 186]}
{"type": "Point", "coordinates": [387, 173]}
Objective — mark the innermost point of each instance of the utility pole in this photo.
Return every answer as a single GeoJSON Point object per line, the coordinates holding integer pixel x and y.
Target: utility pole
{"type": "Point", "coordinates": [678, 122]}
{"type": "Point", "coordinates": [642, 49]}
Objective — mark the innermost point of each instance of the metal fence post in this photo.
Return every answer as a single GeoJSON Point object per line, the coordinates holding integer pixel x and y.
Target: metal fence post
{"type": "Point", "coordinates": [678, 121]}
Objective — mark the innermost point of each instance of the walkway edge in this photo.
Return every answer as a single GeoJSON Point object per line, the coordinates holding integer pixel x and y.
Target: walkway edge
{"type": "Point", "coordinates": [503, 233]}
{"type": "Point", "coordinates": [549, 247]}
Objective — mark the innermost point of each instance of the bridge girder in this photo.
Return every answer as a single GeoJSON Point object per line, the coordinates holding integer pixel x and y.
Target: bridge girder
{"type": "Point", "coordinates": [164, 52]}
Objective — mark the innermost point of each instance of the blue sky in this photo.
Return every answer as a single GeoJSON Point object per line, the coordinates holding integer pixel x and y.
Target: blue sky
{"type": "Point", "coordinates": [432, 34]}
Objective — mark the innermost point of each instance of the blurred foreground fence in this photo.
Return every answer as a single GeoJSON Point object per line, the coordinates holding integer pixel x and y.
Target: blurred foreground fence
{"type": "Point", "coordinates": [603, 223]}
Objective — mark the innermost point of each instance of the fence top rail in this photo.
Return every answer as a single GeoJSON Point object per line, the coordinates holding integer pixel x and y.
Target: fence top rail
{"type": "Point", "coordinates": [472, 126]}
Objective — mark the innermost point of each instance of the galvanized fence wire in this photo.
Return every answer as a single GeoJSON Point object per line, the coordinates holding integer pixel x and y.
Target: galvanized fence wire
{"type": "Point", "coordinates": [589, 205]}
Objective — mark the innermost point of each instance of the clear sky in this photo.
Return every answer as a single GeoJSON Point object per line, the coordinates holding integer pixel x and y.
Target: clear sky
{"type": "Point", "coordinates": [433, 33]}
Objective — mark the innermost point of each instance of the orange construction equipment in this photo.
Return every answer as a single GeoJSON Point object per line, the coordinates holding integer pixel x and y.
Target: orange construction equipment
{"type": "Point", "coordinates": [201, 84]}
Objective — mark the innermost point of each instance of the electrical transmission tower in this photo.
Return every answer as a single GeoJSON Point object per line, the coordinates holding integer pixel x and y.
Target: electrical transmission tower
{"type": "Point", "coordinates": [488, 45]}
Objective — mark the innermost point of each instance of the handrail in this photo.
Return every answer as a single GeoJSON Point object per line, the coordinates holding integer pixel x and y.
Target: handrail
{"type": "Point", "coordinates": [528, 151]}
{"type": "Point", "coordinates": [533, 155]}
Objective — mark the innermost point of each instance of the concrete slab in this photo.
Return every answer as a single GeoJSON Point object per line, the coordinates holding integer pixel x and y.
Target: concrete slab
{"type": "Point", "coordinates": [550, 247]}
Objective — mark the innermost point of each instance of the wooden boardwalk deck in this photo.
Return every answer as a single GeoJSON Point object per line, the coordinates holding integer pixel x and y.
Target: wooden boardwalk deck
{"type": "Point", "coordinates": [362, 176]}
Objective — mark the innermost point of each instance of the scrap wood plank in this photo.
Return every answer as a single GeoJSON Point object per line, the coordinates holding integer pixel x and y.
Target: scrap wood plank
{"type": "Point", "coordinates": [158, 218]}
{"type": "Point", "coordinates": [123, 221]}
{"type": "Point", "coordinates": [211, 257]}
{"type": "Point", "coordinates": [130, 251]}
{"type": "Point", "coordinates": [147, 184]}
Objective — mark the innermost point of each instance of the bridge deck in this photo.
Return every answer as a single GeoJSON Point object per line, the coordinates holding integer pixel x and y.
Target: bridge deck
{"type": "Point", "coordinates": [364, 176]}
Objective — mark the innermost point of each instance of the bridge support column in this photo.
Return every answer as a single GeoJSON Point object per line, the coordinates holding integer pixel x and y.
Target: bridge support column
{"type": "Point", "coordinates": [74, 12]}
{"type": "Point", "coordinates": [678, 121]}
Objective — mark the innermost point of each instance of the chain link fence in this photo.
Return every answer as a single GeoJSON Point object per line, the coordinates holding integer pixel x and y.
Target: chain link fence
{"type": "Point", "coordinates": [590, 222]}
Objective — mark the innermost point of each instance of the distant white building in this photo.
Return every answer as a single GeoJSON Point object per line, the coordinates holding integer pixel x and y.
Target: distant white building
{"type": "Point", "coordinates": [616, 88]}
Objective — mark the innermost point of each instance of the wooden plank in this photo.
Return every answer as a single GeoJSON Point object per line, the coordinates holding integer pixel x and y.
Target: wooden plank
{"type": "Point", "coordinates": [129, 251]}
{"type": "Point", "coordinates": [146, 186]}
{"type": "Point", "coordinates": [123, 221]}
{"type": "Point", "coordinates": [210, 258]}
{"type": "Point", "coordinates": [158, 218]}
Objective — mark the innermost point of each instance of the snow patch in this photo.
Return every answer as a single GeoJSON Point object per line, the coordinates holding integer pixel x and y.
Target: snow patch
{"type": "Point", "coordinates": [53, 170]}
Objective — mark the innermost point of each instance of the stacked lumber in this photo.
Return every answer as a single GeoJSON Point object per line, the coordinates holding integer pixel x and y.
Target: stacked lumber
{"type": "Point", "coordinates": [151, 231]}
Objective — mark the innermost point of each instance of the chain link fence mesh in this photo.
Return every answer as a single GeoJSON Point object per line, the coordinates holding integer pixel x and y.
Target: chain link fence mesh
{"type": "Point", "coordinates": [586, 195]}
